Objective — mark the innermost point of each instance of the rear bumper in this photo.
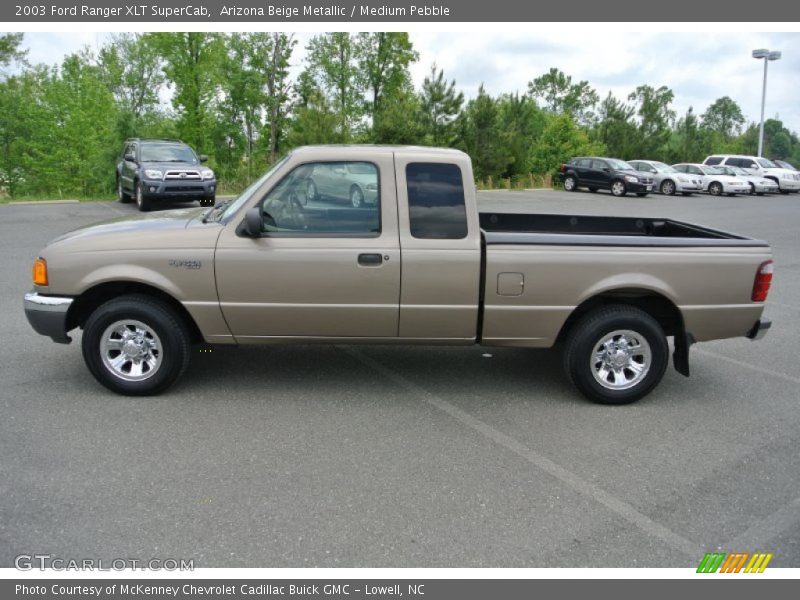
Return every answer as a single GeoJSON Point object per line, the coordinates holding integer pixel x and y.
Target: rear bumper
{"type": "Point", "coordinates": [48, 315]}
{"type": "Point", "coordinates": [759, 329]}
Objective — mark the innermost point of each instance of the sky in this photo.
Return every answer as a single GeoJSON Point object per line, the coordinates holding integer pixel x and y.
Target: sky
{"type": "Point", "coordinates": [699, 67]}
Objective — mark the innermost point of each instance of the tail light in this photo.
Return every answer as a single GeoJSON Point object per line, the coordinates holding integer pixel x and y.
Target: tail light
{"type": "Point", "coordinates": [763, 281]}
{"type": "Point", "coordinates": [563, 168]}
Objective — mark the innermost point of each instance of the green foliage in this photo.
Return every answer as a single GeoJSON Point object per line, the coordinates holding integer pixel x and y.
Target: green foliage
{"type": "Point", "coordinates": [480, 136]}
{"type": "Point", "coordinates": [560, 96]}
{"type": "Point", "coordinates": [724, 117]}
{"type": "Point", "coordinates": [441, 106]}
{"type": "Point", "coordinates": [561, 140]}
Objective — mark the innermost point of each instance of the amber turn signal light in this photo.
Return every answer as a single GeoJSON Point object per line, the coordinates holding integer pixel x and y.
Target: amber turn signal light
{"type": "Point", "coordinates": [40, 272]}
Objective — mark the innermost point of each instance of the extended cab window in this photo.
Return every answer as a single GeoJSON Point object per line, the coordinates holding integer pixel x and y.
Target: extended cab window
{"type": "Point", "coordinates": [436, 201]}
{"type": "Point", "coordinates": [341, 198]}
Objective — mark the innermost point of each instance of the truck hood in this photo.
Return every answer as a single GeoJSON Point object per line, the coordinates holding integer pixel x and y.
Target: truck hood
{"type": "Point", "coordinates": [162, 224]}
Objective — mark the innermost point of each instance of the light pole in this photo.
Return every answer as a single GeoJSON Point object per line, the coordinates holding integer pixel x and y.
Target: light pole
{"type": "Point", "coordinates": [767, 56]}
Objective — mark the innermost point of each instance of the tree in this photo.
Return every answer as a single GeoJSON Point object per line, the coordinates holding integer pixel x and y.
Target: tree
{"type": "Point", "coordinates": [191, 63]}
{"type": "Point", "coordinates": [561, 140]}
{"type": "Point", "coordinates": [559, 95]}
{"type": "Point", "coordinates": [331, 62]}
{"type": "Point", "coordinates": [615, 127]}
{"type": "Point", "coordinates": [724, 117]}
{"type": "Point", "coordinates": [481, 136]}
{"type": "Point", "coordinates": [655, 119]}
{"type": "Point", "coordinates": [131, 67]}
{"type": "Point", "coordinates": [383, 58]}
{"type": "Point", "coordinates": [441, 105]}
{"type": "Point", "coordinates": [689, 142]}
{"type": "Point", "coordinates": [10, 48]}
{"type": "Point", "coordinates": [279, 87]}
{"type": "Point", "coordinates": [520, 124]}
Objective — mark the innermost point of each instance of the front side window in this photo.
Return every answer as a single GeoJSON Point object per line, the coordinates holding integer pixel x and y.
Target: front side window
{"type": "Point", "coordinates": [767, 164]}
{"type": "Point", "coordinates": [436, 205]}
{"type": "Point", "coordinates": [341, 198]}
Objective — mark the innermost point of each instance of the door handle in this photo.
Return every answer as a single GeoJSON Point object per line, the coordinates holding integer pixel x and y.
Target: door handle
{"type": "Point", "coordinates": [370, 260]}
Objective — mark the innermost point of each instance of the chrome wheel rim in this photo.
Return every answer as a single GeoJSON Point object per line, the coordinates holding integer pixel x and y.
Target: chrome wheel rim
{"type": "Point", "coordinates": [139, 196]}
{"type": "Point", "coordinates": [131, 350]}
{"type": "Point", "coordinates": [356, 198]}
{"type": "Point", "coordinates": [667, 188]}
{"type": "Point", "coordinates": [569, 184]}
{"type": "Point", "coordinates": [715, 189]}
{"type": "Point", "coordinates": [621, 359]}
{"type": "Point", "coordinates": [617, 188]}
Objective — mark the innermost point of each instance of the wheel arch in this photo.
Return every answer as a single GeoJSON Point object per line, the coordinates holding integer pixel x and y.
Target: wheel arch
{"type": "Point", "coordinates": [88, 301]}
{"type": "Point", "coordinates": [653, 302]}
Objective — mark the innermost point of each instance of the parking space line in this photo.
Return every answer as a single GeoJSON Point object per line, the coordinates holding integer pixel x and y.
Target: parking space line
{"type": "Point", "coordinates": [746, 365]}
{"type": "Point", "coordinates": [758, 535]}
{"type": "Point", "coordinates": [588, 489]}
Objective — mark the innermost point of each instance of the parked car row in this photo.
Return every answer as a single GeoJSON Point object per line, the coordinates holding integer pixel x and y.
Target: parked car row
{"type": "Point", "coordinates": [717, 175]}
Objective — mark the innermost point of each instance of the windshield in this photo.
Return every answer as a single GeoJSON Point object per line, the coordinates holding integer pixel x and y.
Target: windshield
{"type": "Point", "coordinates": [739, 171]}
{"type": "Point", "coordinates": [167, 153]}
{"type": "Point", "coordinates": [248, 193]}
{"type": "Point", "coordinates": [767, 164]}
{"type": "Point", "coordinates": [620, 165]}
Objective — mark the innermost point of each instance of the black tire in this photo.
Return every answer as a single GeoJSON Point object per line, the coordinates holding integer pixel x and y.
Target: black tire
{"type": "Point", "coordinates": [356, 197]}
{"type": "Point", "coordinates": [715, 188]}
{"type": "Point", "coordinates": [123, 196]}
{"type": "Point", "coordinates": [752, 190]}
{"type": "Point", "coordinates": [668, 187]}
{"type": "Point", "coordinates": [142, 201]}
{"type": "Point", "coordinates": [593, 189]}
{"type": "Point", "coordinates": [584, 340]}
{"type": "Point", "coordinates": [618, 188]}
{"type": "Point", "coordinates": [170, 330]}
{"type": "Point", "coordinates": [570, 183]}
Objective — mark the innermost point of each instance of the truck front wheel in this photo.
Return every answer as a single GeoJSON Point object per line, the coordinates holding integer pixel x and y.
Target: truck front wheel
{"type": "Point", "coordinates": [616, 354]}
{"type": "Point", "coordinates": [136, 345]}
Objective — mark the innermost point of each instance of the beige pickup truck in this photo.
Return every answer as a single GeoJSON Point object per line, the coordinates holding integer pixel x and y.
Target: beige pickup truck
{"type": "Point", "coordinates": [398, 254]}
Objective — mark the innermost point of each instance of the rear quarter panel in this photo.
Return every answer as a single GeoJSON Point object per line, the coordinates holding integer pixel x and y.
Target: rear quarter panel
{"type": "Point", "coordinates": [710, 286]}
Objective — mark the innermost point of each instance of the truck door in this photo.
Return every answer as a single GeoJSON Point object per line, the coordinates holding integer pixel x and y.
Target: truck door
{"type": "Point", "coordinates": [321, 271]}
{"type": "Point", "coordinates": [441, 247]}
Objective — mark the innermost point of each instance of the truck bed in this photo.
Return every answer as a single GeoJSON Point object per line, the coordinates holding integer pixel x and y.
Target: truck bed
{"type": "Point", "coordinates": [587, 230]}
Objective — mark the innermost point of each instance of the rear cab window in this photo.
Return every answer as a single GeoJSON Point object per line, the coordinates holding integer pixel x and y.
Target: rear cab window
{"type": "Point", "coordinates": [436, 203]}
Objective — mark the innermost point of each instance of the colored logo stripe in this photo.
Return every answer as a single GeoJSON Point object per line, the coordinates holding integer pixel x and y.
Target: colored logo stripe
{"type": "Point", "coordinates": [734, 562]}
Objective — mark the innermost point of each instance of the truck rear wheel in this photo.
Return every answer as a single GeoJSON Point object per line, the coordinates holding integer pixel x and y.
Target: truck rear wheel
{"type": "Point", "coordinates": [136, 345]}
{"type": "Point", "coordinates": [616, 354]}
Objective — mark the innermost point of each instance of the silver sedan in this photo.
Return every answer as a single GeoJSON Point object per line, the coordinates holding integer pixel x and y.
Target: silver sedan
{"type": "Point", "coordinates": [667, 180]}
{"type": "Point", "coordinates": [758, 185]}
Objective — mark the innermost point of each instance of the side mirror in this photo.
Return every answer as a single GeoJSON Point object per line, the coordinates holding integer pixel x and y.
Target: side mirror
{"type": "Point", "coordinates": [203, 158]}
{"type": "Point", "coordinates": [251, 226]}
{"type": "Point", "coordinates": [129, 156]}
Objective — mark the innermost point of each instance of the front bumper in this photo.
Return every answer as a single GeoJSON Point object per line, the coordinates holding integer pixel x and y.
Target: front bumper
{"type": "Point", "coordinates": [735, 189]}
{"type": "Point", "coordinates": [638, 188]}
{"type": "Point", "coordinates": [791, 185]}
{"type": "Point", "coordinates": [179, 188]}
{"type": "Point", "coordinates": [48, 315]}
{"type": "Point", "coordinates": [759, 329]}
{"type": "Point", "coordinates": [766, 189]}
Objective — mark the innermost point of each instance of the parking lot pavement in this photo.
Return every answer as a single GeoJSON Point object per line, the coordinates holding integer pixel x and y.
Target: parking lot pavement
{"type": "Point", "coordinates": [378, 456]}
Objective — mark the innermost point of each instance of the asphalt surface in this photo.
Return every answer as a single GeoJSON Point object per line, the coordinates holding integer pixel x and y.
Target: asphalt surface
{"type": "Point", "coordinates": [326, 456]}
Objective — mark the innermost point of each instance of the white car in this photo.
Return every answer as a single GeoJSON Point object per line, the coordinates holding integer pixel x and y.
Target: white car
{"type": "Point", "coordinates": [715, 181]}
{"type": "Point", "coordinates": [667, 180]}
{"type": "Point", "coordinates": [787, 180]}
{"type": "Point", "coordinates": [758, 185]}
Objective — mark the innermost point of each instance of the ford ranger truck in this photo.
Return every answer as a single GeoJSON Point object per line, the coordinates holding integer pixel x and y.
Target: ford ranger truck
{"type": "Point", "coordinates": [416, 264]}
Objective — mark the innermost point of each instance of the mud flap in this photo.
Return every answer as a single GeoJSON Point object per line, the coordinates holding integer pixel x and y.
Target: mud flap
{"type": "Point", "coordinates": [680, 357]}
